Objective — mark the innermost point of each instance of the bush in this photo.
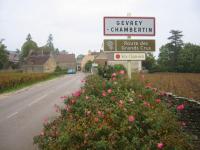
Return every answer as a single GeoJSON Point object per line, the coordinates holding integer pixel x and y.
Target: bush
{"type": "Point", "coordinates": [107, 71]}
{"type": "Point", "coordinates": [113, 114]}
{"type": "Point", "coordinates": [88, 66]}
{"type": "Point", "coordinates": [59, 70]}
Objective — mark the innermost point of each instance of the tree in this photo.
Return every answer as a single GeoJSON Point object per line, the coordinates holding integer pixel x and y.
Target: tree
{"type": "Point", "coordinates": [3, 55]}
{"type": "Point", "coordinates": [164, 58]}
{"type": "Point", "coordinates": [49, 44]}
{"type": "Point", "coordinates": [150, 62]}
{"type": "Point", "coordinates": [28, 46]}
{"type": "Point", "coordinates": [29, 38]}
{"type": "Point", "coordinates": [88, 66]}
{"type": "Point", "coordinates": [176, 45]}
{"type": "Point", "coordinates": [169, 52]}
{"type": "Point", "coordinates": [189, 58]}
{"type": "Point", "coordinates": [176, 38]}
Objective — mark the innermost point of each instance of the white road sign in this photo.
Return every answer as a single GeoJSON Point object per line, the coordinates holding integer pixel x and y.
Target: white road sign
{"type": "Point", "coordinates": [129, 26]}
{"type": "Point", "coordinates": [129, 56]}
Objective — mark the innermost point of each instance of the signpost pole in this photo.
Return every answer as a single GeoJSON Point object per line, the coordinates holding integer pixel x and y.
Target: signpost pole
{"type": "Point", "coordinates": [129, 61]}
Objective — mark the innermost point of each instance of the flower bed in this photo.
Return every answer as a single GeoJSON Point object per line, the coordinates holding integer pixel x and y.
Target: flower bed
{"type": "Point", "coordinates": [114, 114]}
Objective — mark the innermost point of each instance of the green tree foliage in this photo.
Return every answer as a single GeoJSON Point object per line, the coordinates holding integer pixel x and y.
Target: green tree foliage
{"type": "Point", "coordinates": [150, 62]}
{"type": "Point", "coordinates": [169, 53]}
{"type": "Point", "coordinates": [176, 56]}
{"type": "Point", "coordinates": [176, 38]}
{"type": "Point", "coordinates": [189, 58]}
{"type": "Point", "coordinates": [49, 44]}
{"type": "Point", "coordinates": [88, 66]}
{"type": "Point", "coordinates": [28, 46]}
{"type": "Point", "coordinates": [176, 45]}
{"type": "Point", "coordinates": [164, 58]}
{"type": "Point", "coordinates": [3, 55]}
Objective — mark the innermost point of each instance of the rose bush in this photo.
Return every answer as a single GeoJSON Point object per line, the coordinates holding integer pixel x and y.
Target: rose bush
{"type": "Point", "coordinates": [114, 114]}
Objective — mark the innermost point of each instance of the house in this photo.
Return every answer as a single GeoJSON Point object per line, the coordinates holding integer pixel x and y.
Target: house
{"type": "Point", "coordinates": [66, 61]}
{"type": "Point", "coordinates": [78, 61]}
{"type": "Point", "coordinates": [13, 57]}
{"type": "Point", "coordinates": [101, 59]}
{"type": "Point", "coordinates": [40, 63]}
{"type": "Point", "coordinates": [89, 57]}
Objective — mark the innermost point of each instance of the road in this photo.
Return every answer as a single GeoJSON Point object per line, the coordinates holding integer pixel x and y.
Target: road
{"type": "Point", "coordinates": [22, 113]}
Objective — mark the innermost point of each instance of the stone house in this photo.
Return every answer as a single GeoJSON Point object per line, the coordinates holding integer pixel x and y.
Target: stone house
{"type": "Point", "coordinates": [78, 62]}
{"type": "Point", "coordinates": [89, 57]}
{"type": "Point", "coordinates": [66, 61]}
{"type": "Point", "coordinates": [101, 59]}
{"type": "Point", "coordinates": [13, 57]}
{"type": "Point", "coordinates": [40, 63]}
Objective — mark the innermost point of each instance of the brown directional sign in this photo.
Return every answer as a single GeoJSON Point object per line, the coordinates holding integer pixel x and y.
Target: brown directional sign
{"type": "Point", "coordinates": [129, 45]}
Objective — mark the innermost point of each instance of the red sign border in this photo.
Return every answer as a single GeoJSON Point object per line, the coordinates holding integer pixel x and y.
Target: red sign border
{"type": "Point", "coordinates": [154, 19]}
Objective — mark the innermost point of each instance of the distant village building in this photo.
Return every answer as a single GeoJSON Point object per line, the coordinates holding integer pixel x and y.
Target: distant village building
{"type": "Point", "coordinates": [78, 62]}
{"type": "Point", "coordinates": [89, 57]}
{"type": "Point", "coordinates": [40, 63]}
{"type": "Point", "coordinates": [66, 61]}
{"type": "Point", "coordinates": [13, 57]}
{"type": "Point", "coordinates": [101, 59]}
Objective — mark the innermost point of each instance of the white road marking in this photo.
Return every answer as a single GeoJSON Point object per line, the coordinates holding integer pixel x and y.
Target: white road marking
{"type": "Point", "coordinates": [13, 114]}
{"type": "Point", "coordinates": [37, 100]}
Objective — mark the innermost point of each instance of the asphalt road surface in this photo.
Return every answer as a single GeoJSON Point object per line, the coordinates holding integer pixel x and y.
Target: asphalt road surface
{"type": "Point", "coordinates": [22, 113]}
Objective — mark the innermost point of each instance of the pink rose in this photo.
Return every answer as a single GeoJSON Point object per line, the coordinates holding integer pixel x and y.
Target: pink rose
{"type": "Point", "coordinates": [131, 118]}
{"type": "Point", "coordinates": [160, 145]}
{"type": "Point", "coordinates": [121, 72]}
{"type": "Point", "coordinates": [114, 75]}
{"type": "Point", "coordinates": [147, 104]}
{"type": "Point", "coordinates": [121, 104]}
{"type": "Point", "coordinates": [73, 101]}
{"type": "Point", "coordinates": [180, 107]}
{"type": "Point", "coordinates": [86, 97]}
{"type": "Point", "coordinates": [109, 91]}
{"type": "Point", "coordinates": [67, 108]}
{"type": "Point", "coordinates": [82, 81]}
{"type": "Point", "coordinates": [96, 119]}
{"type": "Point", "coordinates": [103, 94]}
{"type": "Point", "coordinates": [158, 100]}
{"type": "Point", "coordinates": [88, 113]}
{"type": "Point", "coordinates": [77, 93]}
{"type": "Point", "coordinates": [42, 133]}
{"type": "Point", "coordinates": [100, 113]}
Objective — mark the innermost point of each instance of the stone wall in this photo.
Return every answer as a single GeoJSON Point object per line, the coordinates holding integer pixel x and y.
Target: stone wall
{"type": "Point", "coordinates": [189, 117]}
{"type": "Point", "coordinates": [50, 65]}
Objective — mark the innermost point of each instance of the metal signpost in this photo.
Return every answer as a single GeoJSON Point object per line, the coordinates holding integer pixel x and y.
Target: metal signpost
{"type": "Point", "coordinates": [129, 26]}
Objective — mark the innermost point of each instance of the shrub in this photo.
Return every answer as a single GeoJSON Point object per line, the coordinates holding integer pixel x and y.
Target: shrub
{"type": "Point", "coordinates": [113, 114]}
{"type": "Point", "coordinates": [107, 71]}
{"type": "Point", "coordinates": [11, 80]}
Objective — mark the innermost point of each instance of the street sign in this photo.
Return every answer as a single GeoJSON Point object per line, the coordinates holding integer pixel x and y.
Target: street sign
{"type": "Point", "coordinates": [129, 45]}
{"type": "Point", "coordinates": [129, 56]}
{"type": "Point", "coordinates": [129, 26]}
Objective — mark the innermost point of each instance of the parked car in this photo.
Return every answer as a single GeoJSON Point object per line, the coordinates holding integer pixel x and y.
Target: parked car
{"type": "Point", "coordinates": [71, 71]}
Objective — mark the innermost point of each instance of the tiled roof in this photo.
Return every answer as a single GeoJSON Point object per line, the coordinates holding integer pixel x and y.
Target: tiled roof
{"type": "Point", "coordinates": [37, 60]}
{"type": "Point", "coordinates": [13, 56]}
{"type": "Point", "coordinates": [65, 58]}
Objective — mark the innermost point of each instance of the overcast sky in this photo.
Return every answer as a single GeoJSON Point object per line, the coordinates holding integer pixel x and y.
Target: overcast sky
{"type": "Point", "coordinates": [77, 25]}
